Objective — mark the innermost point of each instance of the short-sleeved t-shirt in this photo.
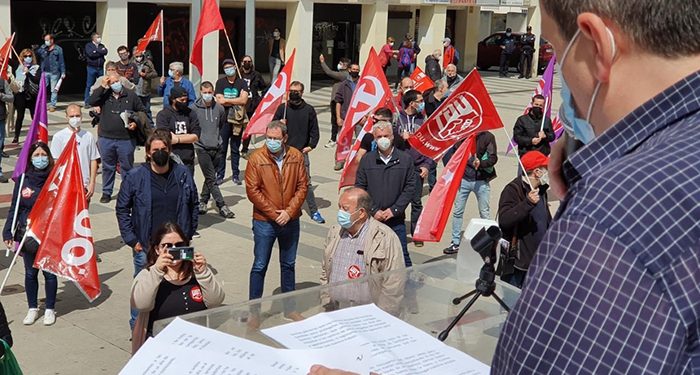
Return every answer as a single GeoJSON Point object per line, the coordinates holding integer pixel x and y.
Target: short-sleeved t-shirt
{"type": "Point", "coordinates": [230, 90]}
{"type": "Point", "coordinates": [367, 143]}
{"type": "Point", "coordinates": [87, 149]}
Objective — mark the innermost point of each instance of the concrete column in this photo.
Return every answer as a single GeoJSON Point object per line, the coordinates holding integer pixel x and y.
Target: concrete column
{"type": "Point", "coordinates": [210, 50]}
{"type": "Point", "coordinates": [467, 27]}
{"type": "Point", "coordinates": [112, 18]}
{"type": "Point", "coordinates": [5, 31]}
{"type": "Point", "coordinates": [373, 28]}
{"type": "Point", "coordinates": [431, 30]}
{"type": "Point", "coordinates": [300, 17]}
{"type": "Point", "coordinates": [250, 28]}
{"type": "Point", "coordinates": [534, 19]}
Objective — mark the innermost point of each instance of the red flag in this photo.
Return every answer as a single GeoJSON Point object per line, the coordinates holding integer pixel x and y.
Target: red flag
{"type": "Point", "coordinates": [436, 211]}
{"type": "Point", "coordinates": [468, 110]}
{"type": "Point", "coordinates": [372, 92]}
{"type": "Point", "coordinates": [5, 56]}
{"type": "Point", "coordinates": [153, 34]}
{"type": "Point", "coordinates": [421, 81]}
{"type": "Point", "coordinates": [60, 223]}
{"type": "Point", "coordinates": [271, 101]}
{"type": "Point", "coordinates": [209, 20]}
{"type": "Point", "coordinates": [347, 177]}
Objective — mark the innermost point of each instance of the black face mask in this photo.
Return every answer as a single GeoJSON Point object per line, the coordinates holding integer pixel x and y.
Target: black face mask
{"type": "Point", "coordinates": [536, 112]}
{"type": "Point", "coordinates": [161, 158]}
{"type": "Point", "coordinates": [294, 96]}
{"type": "Point", "coordinates": [354, 74]}
{"type": "Point", "coordinates": [451, 79]}
{"type": "Point", "coordinates": [180, 106]}
{"type": "Point", "coordinates": [247, 65]}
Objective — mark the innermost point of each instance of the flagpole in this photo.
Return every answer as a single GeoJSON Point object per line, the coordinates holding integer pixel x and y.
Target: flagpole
{"type": "Point", "coordinates": [14, 259]}
{"type": "Point", "coordinates": [19, 196]}
{"type": "Point", "coordinates": [162, 45]}
{"type": "Point", "coordinates": [232, 54]}
{"type": "Point", "coordinates": [544, 113]}
{"type": "Point", "coordinates": [519, 161]}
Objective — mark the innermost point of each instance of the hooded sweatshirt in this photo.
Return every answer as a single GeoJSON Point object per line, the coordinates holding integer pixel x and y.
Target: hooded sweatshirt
{"type": "Point", "coordinates": [211, 119]}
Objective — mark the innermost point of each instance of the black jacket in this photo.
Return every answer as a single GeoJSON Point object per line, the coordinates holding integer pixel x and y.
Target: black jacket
{"type": "Point", "coordinates": [390, 185]}
{"type": "Point", "coordinates": [257, 86]}
{"type": "Point", "coordinates": [111, 124]}
{"type": "Point", "coordinates": [515, 217]}
{"type": "Point", "coordinates": [410, 123]}
{"type": "Point", "coordinates": [432, 68]}
{"type": "Point", "coordinates": [486, 152]}
{"type": "Point", "coordinates": [343, 96]}
{"type": "Point", "coordinates": [526, 128]}
{"type": "Point", "coordinates": [302, 125]}
{"type": "Point", "coordinates": [184, 122]}
{"type": "Point", "coordinates": [5, 333]}
{"type": "Point", "coordinates": [33, 183]}
{"type": "Point", "coordinates": [95, 54]}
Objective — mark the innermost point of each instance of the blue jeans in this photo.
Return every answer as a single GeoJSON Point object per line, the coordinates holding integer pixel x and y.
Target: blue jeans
{"type": "Point", "coordinates": [113, 151]}
{"type": "Point", "coordinates": [482, 190]}
{"type": "Point", "coordinates": [264, 235]}
{"type": "Point", "coordinates": [228, 139]}
{"type": "Point", "coordinates": [53, 81]}
{"type": "Point", "coordinates": [400, 230]}
{"type": "Point", "coordinates": [93, 73]}
{"type": "Point", "coordinates": [139, 264]}
{"type": "Point", "coordinates": [31, 283]}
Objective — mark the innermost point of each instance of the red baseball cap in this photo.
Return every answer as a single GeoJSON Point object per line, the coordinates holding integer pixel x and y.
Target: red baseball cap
{"type": "Point", "coordinates": [534, 159]}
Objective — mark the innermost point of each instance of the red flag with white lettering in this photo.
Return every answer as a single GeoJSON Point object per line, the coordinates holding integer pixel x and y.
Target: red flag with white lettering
{"type": "Point", "coordinates": [436, 211]}
{"type": "Point", "coordinates": [60, 223]}
{"type": "Point", "coordinates": [468, 110]}
{"type": "Point", "coordinates": [347, 177]}
{"type": "Point", "coordinates": [271, 101]}
{"type": "Point", "coordinates": [153, 34]}
{"type": "Point", "coordinates": [421, 81]}
{"type": "Point", "coordinates": [372, 92]}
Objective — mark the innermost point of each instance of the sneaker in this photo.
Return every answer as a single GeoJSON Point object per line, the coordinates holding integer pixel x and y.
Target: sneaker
{"type": "Point", "coordinates": [452, 249]}
{"type": "Point", "coordinates": [31, 317]}
{"type": "Point", "coordinates": [219, 181]}
{"type": "Point", "coordinates": [49, 317]}
{"type": "Point", "coordinates": [4, 180]}
{"type": "Point", "coordinates": [203, 208]}
{"type": "Point", "coordinates": [5, 154]}
{"type": "Point", "coordinates": [226, 212]}
{"type": "Point", "coordinates": [15, 140]}
{"type": "Point", "coordinates": [338, 165]}
{"type": "Point", "coordinates": [196, 234]}
{"type": "Point", "coordinates": [105, 198]}
{"type": "Point", "coordinates": [418, 243]}
{"type": "Point", "coordinates": [52, 108]}
{"type": "Point", "coordinates": [330, 144]}
{"type": "Point", "coordinates": [237, 180]}
{"type": "Point", "coordinates": [318, 218]}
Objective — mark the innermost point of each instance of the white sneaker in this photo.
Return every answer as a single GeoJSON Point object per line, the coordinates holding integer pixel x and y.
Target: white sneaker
{"type": "Point", "coordinates": [330, 144]}
{"type": "Point", "coordinates": [49, 317]}
{"type": "Point", "coordinates": [32, 314]}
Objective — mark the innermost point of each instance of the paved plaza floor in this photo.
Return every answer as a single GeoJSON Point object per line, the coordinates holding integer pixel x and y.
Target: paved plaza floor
{"type": "Point", "coordinates": [94, 338]}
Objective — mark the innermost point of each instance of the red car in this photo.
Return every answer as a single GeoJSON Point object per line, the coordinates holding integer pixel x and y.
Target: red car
{"type": "Point", "coordinates": [489, 52]}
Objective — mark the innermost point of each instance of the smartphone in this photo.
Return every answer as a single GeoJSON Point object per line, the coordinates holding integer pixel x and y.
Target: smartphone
{"type": "Point", "coordinates": [182, 253]}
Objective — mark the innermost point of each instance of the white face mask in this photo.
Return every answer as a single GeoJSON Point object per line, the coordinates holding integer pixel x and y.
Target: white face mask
{"type": "Point", "coordinates": [74, 122]}
{"type": "Point", "coordinates": [383, 143]}
{"type": "Point", "coordinates": [544, 179]}
{"type": "Point", "coordinates": [98, 40]}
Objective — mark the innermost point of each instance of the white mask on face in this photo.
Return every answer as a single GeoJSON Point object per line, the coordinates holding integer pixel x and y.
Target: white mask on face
{"type": "Point", "coordinates": [74, 122]}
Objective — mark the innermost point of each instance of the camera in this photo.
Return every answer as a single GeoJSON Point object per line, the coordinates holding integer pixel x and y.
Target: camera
{"type": "Point", "coordinates": [182, 253]}
{"type": "Point", "coordinates": [485, 242]}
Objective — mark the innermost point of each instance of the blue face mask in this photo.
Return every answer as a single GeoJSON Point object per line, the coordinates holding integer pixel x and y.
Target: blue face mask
{"type": "Point", "coordinates": [345, 219]}
{"type": "Point", "coordinates": [274, 145]}
{"type": "Point", "coordinates": [421, 107]}
{"type": "Point", "coordinates": [580, 128]}
{"type": "Point", "coordinates": [40, 162]}
{"type": "Point", "coordinates": [171, 74]}
{"type": "Point", "coordinates": [27, 60]}
{"type": "Point", "coordinates": [116, 87]}
{"type": "Point", "coordinates": [230, 72]}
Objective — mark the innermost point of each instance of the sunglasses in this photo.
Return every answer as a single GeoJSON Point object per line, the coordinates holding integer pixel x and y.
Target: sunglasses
{"type": "Point", "coordinates": [168, 245]}
{"type": "Point", "coordinates": [27, 56]}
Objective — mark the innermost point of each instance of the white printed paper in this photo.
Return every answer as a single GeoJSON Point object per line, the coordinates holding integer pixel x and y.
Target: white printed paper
{"type": "Point", "coordinates": [395, 347]}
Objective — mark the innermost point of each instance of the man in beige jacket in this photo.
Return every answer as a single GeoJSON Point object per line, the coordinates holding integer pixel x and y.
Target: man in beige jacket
{"type": "Point", "coordinates": [360, 246]}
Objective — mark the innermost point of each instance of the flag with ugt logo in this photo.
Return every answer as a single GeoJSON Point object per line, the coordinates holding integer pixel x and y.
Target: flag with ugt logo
{"type": "Point", "coordinates": [372, 92]}
{"type": "Point", "coordinates": [271, 101]}
{"type": "Point", "coordinates": [468, 110]}
{"type": "Point", "coordinates": [421, 81]}
{"type": "Point", "coordinates": [60, 223]}
{"type": "Point", "coordinates": [153, 34]}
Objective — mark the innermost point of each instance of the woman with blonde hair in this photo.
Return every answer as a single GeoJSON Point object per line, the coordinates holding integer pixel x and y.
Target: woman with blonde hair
{"type": "Point", "coordinates": [26, 82]}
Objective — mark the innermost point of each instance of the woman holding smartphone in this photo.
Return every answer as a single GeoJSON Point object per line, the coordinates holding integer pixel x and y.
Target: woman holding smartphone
{"type": "Point", "coordinates": [169, 287]}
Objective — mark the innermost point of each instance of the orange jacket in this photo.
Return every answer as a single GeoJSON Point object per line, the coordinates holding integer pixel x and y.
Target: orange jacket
{"type": "Point", "coordinates": [448, 56]}
{"type": "Point", "coordinates": [269, 190]}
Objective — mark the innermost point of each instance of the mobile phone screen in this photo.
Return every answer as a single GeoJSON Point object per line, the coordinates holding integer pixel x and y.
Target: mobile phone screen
{"type": "Point", "coordinates": [182, 253]}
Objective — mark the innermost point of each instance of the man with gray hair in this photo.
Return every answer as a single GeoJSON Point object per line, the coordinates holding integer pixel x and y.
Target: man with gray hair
{"type": "Point", "coordinates": [388, 175]}
{"type": "Point", "coordinates": [614, 284]}
{"type": "Point", "coordinates": [452, 78]}
{"type": "Point", "coordinates": [175, 78]}
{"type": "Point", "coordinates": [276, 183]}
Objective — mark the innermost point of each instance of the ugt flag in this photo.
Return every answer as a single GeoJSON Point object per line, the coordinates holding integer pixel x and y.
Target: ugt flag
{"type": "Point", "coordinates": [347, 177]}
{"type": "Point", "coordinates": [271, 101]}
{"type": "Point", "coordinates": [38, 130]}
{"type": "Point", "coordinates": [372, 92]}
{"type": "Point", "coordinates": [421, 81]}
{"type": "Point", "coordinates": [5, 56]}
{"type": "Point", "coordinates": [153, 34]}
{"type": "Point", "coordinates": [60, 223]}
{"type": "Point", "coordinates": [436, 211]}
{"type": "Point", "coordinates": [468, 110]}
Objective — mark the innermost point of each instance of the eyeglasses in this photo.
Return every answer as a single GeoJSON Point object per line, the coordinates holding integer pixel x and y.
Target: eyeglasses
{"type": "Point", "coordinates": [169, 245]}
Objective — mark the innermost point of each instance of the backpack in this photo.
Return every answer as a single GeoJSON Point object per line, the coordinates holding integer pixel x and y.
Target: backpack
{"type": "Point", "coordinates": [406, 57]}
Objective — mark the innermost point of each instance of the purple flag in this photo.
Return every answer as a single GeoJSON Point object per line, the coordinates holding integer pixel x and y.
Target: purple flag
{"type": "Point", "coordinates": [38, 130]}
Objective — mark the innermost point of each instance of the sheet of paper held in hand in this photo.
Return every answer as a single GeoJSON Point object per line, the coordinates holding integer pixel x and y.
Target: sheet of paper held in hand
{"type": "Point", "coordinates": [187, 348]}
{"type": "Point", "coordinates": [395, 346]}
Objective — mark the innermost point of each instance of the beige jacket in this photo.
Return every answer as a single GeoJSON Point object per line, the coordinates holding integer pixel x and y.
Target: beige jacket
{"type": "Point", "coordinates": [382, 253]}
{"type": "Point", "coordinates": [143, 297]}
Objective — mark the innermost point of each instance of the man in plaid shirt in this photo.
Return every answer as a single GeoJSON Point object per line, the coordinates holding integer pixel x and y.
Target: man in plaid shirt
{"type": "Point", "coordinates": [615, 285]}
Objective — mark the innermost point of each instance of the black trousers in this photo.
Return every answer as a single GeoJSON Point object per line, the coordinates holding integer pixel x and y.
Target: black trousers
{"type": "Point", "coordinates": [21, 104]}
{"type": "Point", "coordinates": [334, 122]}
{"type": "Point", "coordinates": [209, 161]}
{"type": "Point", "coordinates": [505, 58]}
{"type": "Point", "coordinates": [526, 65]}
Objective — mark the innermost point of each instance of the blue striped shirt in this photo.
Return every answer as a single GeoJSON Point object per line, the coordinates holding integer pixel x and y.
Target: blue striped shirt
{"type": "Point", "coordinates": [615, 285]}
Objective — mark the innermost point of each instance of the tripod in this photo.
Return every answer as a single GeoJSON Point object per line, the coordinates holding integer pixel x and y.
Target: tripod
{"type": "Point", "coordinates": [485, 286]}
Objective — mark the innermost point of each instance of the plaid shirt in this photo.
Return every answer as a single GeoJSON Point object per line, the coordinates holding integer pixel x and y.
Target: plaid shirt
{"type": "Point", "coordinates": [615, 285]}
